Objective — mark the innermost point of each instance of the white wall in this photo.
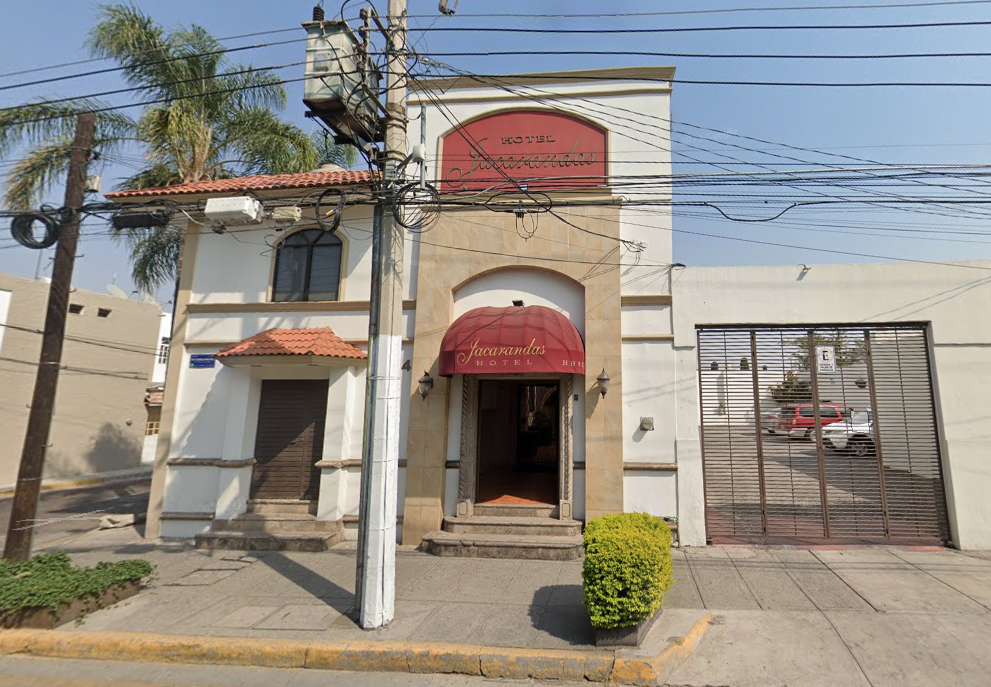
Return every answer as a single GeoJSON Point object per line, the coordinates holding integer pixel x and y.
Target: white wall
{"type": "Point", "coordinates": [237, 266]}
{"type": "Point", "coordinates": [532, 286]}
{"type": "Point", "coordinates": [950, 297]}
{"type": "Point", "coordinates": [164, 332]}
{"type": "Point", "coordinates": [648, 391]}
{"type": "Point", "coordinates": [4, 310]}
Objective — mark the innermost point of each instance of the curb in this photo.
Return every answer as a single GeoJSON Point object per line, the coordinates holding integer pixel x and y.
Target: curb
{"type": "Point", "coordinates": [68, 484]}
{"type": "Point", "coordinates": [362, 655]}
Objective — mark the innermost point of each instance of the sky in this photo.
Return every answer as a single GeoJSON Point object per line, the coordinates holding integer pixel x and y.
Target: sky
{"type": "Point", "coordinates": [890, 125]}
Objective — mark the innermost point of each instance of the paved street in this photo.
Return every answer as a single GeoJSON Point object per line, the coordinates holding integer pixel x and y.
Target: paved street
{"type": "Point", "coordinates": [17, 671]}
{"type": "Point", "coordinates": [74, 512]}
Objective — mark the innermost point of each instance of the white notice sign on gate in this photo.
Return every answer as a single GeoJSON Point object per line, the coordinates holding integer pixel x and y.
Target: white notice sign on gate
{"type": "Point", "coordinates": [826, 359]}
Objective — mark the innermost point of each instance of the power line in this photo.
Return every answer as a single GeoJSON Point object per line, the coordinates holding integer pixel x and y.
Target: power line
{"type": "Point", "coordinates": [702, 29]}
{"type": "Point", "coordinates": [103, 343]}
{"type": "Point", "coordinates": [792, 84]}
{"type": "Point", "coordinates": [716, 56]}
{"type": "Point", "coordinates": [131, 89]}
{"type": "Point", "coordinates": [110, 70]}
{"type": "Point", "coordinates": [122, 374]}
{"type": "Point", "coordinates": [599, 108]}
{"type": "Point", "coordinates": [728, 10]}
{"type": "Point", "coordinates": [91, 60]}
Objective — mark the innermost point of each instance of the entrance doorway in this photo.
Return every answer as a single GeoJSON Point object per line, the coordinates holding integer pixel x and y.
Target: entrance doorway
{"type": "Point", "coordinates": [518, 441]}
{"type": "Point", "coordinates": [289, 439]}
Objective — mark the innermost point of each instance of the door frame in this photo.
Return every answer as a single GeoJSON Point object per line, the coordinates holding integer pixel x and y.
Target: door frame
{"type": "Point", "coordinates": [468, 464]}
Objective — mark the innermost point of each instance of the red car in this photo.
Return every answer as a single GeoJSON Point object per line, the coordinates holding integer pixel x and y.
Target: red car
{"type": "Point", "coordinates": [798, 420]}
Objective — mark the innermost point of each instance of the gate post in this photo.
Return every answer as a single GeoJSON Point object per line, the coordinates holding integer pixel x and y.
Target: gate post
{"type": "Point", "coordinates": [817, 431]}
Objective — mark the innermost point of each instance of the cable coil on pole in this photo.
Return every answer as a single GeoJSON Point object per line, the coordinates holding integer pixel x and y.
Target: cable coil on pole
{"type": "Point", "coordinates": [24, 229]}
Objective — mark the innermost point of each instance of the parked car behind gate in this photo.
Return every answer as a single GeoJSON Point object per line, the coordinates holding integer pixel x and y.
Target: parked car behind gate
{"type": "Point", "coordinates": [856, 435]}
{"type": "Point", "coordinates": [798, 420]}
{"type": "Point", "coordinates": [769, 419]}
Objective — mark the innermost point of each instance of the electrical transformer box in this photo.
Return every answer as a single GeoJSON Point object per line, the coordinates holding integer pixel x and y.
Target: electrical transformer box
{"type": "Point", "coordinates": [341, 85]}
{"type": "Point", "coordinates": [237, 210]}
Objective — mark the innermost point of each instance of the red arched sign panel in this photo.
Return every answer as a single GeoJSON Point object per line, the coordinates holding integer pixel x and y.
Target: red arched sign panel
{"type": "Point", "coordinates": [545, 150]}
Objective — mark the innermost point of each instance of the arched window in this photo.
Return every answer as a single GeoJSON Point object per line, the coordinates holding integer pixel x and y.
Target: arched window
{"type": "Point", "coordinates": [308, 267]}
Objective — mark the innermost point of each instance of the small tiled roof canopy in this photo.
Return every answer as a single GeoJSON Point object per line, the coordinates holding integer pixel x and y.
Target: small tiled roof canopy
{"type": "Point", "coordinates": [319, 341]}
{"type": "Point", "coordinates": [258, 182]}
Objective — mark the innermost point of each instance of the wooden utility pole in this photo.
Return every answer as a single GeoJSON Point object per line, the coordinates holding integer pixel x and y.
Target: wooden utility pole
{"type": "Point", "coordinates": [375, 591]}
{"type": "Point", "coordinates": [25, 505]}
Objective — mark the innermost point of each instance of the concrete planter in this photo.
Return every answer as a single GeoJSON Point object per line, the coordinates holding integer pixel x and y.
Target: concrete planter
{"type": "Point", "coordinates": [49, 618]}
{"type": "Point", "coordinates": [626, 636]}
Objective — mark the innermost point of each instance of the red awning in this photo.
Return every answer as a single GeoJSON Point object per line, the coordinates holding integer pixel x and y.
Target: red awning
{"type": "Point", "coordinates": [533, 339]}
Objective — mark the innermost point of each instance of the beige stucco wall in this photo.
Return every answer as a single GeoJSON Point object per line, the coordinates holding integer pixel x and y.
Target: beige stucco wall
{"type": "Point", "coordinates": [444, 266]}
{"type": "Point", "coordinates": [101, 388]}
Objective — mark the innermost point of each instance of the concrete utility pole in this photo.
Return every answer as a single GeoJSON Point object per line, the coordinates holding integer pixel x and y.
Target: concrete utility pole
{"type": "Point", "coordinates": [375, 590]}
{"type": "Point", "coordinates": [25, 505]}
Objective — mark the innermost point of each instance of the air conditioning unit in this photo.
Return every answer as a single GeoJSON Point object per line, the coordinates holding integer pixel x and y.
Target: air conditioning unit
{"type": "Point", "coordinates": [237, 210]}
{"type": "Point", "coordinates": [338, 88]}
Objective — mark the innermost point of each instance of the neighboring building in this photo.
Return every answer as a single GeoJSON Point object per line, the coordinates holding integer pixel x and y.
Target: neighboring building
{"type": "Point", "coordinates": [156, 390]}
{"type": "Point", "coordinates": [106, 364]}
{"type": "Point", "coordinates": [515, 305]}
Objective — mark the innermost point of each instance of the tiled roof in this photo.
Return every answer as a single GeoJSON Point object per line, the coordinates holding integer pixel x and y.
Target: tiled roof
{"type": "Point", "coordinates": [321, 341]}
{"type": "Point", "coordinates": [258, 182]}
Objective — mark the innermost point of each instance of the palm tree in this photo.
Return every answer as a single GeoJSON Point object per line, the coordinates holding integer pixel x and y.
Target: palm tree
{"type": "Point", "coordinates": [206, 119]}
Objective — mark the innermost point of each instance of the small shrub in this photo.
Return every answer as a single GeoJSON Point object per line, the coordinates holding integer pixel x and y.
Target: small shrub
{"type": "Point", "coordinates": [627, 568]}
{"type": "Point", "coordinates": [50, 580]}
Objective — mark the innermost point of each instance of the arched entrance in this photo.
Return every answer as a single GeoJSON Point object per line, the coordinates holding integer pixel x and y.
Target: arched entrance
{"type": "Point", "coordinates": [517, 366]}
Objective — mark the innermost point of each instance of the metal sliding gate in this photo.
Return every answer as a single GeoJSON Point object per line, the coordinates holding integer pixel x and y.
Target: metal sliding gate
{"type": "Point", "coordinates": [820, 432]}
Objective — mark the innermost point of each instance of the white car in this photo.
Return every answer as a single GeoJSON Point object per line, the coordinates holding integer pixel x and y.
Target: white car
{"type": "Point", "coordinates": [856, 435]}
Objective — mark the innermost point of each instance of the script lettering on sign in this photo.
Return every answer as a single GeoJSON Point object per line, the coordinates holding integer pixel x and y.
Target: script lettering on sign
{"type": "Point", "coordinates": [509, 358]}
{"type": "Point", "coordinates": [543, 149]}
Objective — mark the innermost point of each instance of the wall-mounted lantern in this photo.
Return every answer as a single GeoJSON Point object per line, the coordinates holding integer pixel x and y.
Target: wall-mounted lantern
{"type": "Point", "coordinates": [425, 385]}
{"type": "Point", "coordinates": [860, 382]}
{"type": "Point", "coordinates": [647, 424]}
{"type": "Point", "coordinates": [604, 381]}
{"type": "Point", "coordinates": [714, 366]}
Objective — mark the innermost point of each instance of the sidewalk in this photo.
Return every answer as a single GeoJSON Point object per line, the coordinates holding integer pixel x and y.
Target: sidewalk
{"type": "Point", "coordinates": [872, 616]}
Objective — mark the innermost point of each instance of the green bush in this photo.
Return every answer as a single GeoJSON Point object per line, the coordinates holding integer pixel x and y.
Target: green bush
{"type": "Point", "coordinates": [50, 579]}
{"type": "Point", "coordinates": [627, 568]}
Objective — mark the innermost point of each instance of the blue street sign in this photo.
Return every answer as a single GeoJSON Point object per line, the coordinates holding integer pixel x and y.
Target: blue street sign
{"type": "Point", "coordinates": [202, 360]}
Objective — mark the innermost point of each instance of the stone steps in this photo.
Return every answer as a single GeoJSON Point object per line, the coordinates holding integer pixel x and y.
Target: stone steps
{"type": "Point", "coordinates": [268, 541]}
{"type": "Point", "coordinates": [282, 507]}
{"type": "Point", "coordinates": [519, 526]}
{"type": "Point", "coordinates": [505, 510]}
{"type": "Point", "coordinates": [549, 548]}
{"type": "Point", "coordinates": [273, 525]}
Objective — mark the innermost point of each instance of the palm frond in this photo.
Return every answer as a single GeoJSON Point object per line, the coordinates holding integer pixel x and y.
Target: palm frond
{"type": "Point", "coordinates": [140, 46]}
{"type": "Point", "coordinates": [267, 144]}
{"type": "Point", "coordinates": [36, 173]}
{"type": "Point", "coordinates": [38, 123]}
{"type": "Point", "coordinates": [331, 153]}
{"type": "Point", "coordinates": [43, 168]}
{"type": "Point", "coordinates": [252, 89]}
{"type": "Point", "coordinates": [155, 176]}
{"type": "Point", "coordinates": [154, 255]}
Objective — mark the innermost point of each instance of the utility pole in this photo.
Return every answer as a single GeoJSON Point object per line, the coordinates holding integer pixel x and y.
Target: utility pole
{"type": "Point", "coordinates": [25, 505]}
{"type": "Point", "coordinates": [375, 590]}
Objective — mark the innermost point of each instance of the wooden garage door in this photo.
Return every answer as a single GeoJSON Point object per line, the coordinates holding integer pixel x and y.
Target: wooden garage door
{"type": "Point", "coordinates": [289, 440]}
